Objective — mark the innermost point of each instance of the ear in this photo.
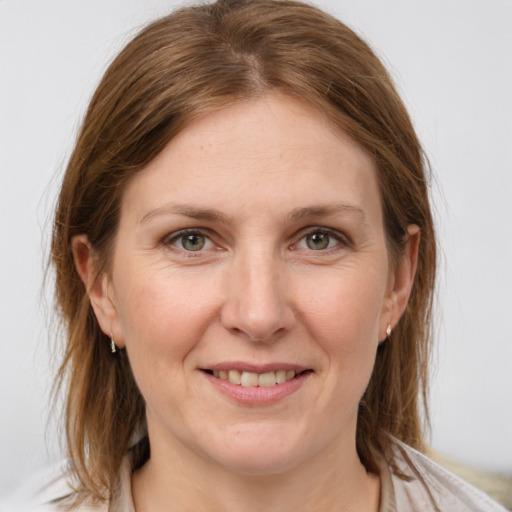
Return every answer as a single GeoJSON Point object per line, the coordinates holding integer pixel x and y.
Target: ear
{"type": "Point", "coordinates": [96, 283]}
{"type": "Point", "coordinates": [401, 281]}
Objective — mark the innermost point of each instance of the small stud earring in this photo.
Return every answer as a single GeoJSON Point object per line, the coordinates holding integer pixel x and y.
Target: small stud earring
{"type": "Point", "coordinates": [388, 330]}
{"type": "Point", "coordinates": [112, 344]}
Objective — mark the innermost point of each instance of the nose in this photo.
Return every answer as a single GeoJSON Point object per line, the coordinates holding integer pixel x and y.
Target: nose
{"type": "Point", "coordinates": [258, 305]}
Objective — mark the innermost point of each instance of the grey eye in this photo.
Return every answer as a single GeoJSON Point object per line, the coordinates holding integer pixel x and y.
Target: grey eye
{"type": "Point", "coordinates": [318, 241]}
{"type": "Point", "coordinates": [190, 241]}
{"type": "Point", "coordinates": [193, 242]}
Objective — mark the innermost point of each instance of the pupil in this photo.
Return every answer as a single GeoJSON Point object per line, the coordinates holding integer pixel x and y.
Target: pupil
{"type": "Point", "coordinates": [318, 241]}
{"type": "Point", "coordinates": [193, 242]}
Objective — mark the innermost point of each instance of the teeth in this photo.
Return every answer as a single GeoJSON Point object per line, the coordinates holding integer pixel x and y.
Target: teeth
{"type": "Point", "coordinates": [281, 376]}
{"type": "Point", "coordinates": [267, 379]}
{"type": "Point", "coordinates": [251, 379]}
{"type": "Point", "coordinates": [234, 377]}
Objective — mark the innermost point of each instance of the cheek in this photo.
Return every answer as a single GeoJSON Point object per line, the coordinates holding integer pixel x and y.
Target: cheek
{"type": "Point", "coordinates": [342, 311]}
{"type": "Point", "coordinates": [162, 315]}
{"type": "Point", "coordinates": [342, 314]}
{"type": "Point", "coordinates": [344, 306]}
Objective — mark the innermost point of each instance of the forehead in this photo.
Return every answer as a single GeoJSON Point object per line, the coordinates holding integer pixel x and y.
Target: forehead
{"type": "Point", "coordinates": [263, 153]}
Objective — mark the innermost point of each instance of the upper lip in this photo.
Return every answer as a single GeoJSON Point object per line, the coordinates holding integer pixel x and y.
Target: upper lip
{"type": "Point", "coordinates": [243, 366]}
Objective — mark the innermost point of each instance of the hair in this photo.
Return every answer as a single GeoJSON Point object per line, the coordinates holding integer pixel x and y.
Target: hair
{"type": "Point", "coordinates": [194, 61]}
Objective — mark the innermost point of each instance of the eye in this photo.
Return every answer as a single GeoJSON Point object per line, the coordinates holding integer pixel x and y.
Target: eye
{"type": "Point", "coordinates": [320, 240]}
{"type": "Point", "coordinates": [190, 241]}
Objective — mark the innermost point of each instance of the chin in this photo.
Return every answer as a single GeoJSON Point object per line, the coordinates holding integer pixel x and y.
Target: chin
{"type": "Point", "coordinates": [259, 464]}
{"type": "Point", "coordinates": [260, 452]}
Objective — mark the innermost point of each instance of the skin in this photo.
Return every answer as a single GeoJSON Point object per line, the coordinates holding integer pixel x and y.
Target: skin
{"type": "Point", "coordinates": [258, 182]}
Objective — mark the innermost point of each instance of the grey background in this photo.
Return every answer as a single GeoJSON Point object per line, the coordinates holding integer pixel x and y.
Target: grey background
{"type": "Point", "coordinates": [451, 60]}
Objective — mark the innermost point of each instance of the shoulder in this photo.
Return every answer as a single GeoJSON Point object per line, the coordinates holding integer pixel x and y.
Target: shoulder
{"type": "Point", "coordinates": [430, 487]}
{"type": "Point", "coordinates": [46, 491]}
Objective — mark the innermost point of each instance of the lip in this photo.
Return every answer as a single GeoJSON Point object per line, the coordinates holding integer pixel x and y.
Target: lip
{"type": "Point", "coordinates": [243, 366]}
{"type": "Point", "coordinates": [257, 395]}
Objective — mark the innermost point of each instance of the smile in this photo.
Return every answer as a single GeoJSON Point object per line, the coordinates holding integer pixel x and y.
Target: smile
{"type": "Point", "coordinates": [252, 379]}
{"type": "Point", "coordinates": [257, 385]}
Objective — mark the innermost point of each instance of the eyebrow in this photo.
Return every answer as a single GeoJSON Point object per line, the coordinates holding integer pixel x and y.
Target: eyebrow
{"type": "Point", "coordinates": [213, 215]}
{"type": "Point", "coordinates": [186, 210]}
{"type": "Point", "coordinates": [327, 210]}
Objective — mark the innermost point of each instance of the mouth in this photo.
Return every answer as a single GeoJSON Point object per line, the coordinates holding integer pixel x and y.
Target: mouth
{"type": "Point", "coordinates": [254, 379]}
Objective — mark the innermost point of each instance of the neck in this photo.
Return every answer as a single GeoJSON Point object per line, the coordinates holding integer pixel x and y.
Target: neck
{"type": "Point", "coordinates": [331, 481]}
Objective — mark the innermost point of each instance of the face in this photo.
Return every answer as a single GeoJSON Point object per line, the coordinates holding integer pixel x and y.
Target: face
{"type": "Point", "coordinates": [250, 286]}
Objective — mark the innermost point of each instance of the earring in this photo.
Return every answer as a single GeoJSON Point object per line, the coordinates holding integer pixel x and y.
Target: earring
{"type": "Point", "coordinates": [388, 330]}
{"type": "Point", "coordinates": [112, 344]}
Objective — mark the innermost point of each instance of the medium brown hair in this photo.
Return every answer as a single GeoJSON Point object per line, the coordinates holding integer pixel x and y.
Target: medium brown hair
{"type": "Point", "coordinates": [192, 62]}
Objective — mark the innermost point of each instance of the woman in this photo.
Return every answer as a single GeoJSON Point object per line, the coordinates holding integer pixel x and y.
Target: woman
{"type": "Point", "coordinates": [245, 264]}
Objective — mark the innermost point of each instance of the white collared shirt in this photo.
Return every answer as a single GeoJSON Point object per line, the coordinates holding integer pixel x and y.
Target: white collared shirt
{"type": "Point", "coordinates": [427, 488]}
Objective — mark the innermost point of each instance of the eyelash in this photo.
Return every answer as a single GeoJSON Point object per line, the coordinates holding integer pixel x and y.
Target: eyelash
{"type": "Point", "coordinates": [331, 233]}
{"type": "Point", "coordinates": [176, 237]}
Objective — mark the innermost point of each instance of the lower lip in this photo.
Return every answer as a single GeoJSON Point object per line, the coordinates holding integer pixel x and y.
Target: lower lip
{"type": "Point", "coordinates": [258, 395]}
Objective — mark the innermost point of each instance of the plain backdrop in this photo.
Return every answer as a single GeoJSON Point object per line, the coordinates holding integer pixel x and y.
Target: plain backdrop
{"type": "Point", "coordinates": [452, 62]}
